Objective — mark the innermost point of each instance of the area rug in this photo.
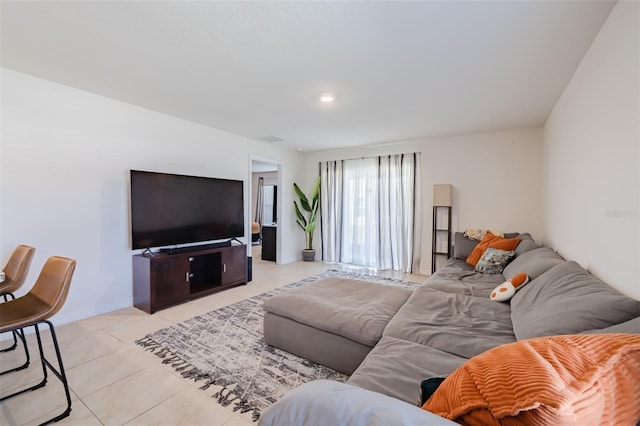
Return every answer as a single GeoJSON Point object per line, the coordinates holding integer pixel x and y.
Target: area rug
{"type": "Point", "coordinates": [224, 349]}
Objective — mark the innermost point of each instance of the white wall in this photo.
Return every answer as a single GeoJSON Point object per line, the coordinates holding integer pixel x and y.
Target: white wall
{"type": "Point", "coordinates": [592, 156]}
{"type": "Point", "coordinates": [65, 157]}
{"type": "Point", "coordinates": [496, 179]}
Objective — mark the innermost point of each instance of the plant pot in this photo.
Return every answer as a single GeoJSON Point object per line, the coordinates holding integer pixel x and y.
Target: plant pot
{"type": "Point", "coordinates": [308, 255]}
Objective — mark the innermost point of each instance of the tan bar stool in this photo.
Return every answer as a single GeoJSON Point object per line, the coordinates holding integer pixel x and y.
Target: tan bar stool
{"type": "Point", "coordinates": [43, 301]}
{"type": "Point", "coordinates": [15, 272]}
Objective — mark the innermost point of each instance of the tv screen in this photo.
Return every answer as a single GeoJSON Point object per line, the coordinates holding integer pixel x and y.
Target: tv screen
{"type": "Point", "coordinates": [168, 209]}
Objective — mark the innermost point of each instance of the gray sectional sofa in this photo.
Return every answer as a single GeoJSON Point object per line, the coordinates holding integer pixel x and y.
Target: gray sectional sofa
{"type": "Point", "coordinates": [449, 319]}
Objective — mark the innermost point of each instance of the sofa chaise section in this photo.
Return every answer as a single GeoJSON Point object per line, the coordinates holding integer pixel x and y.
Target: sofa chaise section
{"type": "Point", "coordinates": [334, 321]}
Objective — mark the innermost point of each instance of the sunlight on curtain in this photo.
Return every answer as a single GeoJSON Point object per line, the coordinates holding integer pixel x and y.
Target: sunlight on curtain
{"type": "Point", "coordinates": [369, 208]}
{"type": "Point", "coordinates": [331, 209]}
{"type": "Point", "coordinates": [396, 212]}
{"type": "Point", "coordinates": [360, 217]}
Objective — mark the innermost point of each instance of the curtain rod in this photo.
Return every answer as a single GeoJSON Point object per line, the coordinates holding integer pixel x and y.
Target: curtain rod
{"type": "Point", "coordinates": [373, 156]}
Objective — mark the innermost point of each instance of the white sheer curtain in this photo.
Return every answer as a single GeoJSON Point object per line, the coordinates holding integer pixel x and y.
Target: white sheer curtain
{"type": "Point", "coordinates": [331, 209]}
{"type": "Point", "coordinates": [397, 187]}
{"type": "Point", "coordinates": [369, 208]}
{"type": "Point", "coordinates": [360, 217]}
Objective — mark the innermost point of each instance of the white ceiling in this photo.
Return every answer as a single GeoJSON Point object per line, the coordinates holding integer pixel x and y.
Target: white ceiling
{"type": "Point", "coordinates": [399, 70]}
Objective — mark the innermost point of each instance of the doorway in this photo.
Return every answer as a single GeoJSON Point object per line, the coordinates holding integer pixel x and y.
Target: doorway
{"type": "Point", "coordinates": [265, 207]}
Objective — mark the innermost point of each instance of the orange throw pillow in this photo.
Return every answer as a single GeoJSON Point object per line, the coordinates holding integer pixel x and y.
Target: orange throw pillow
{"type": "Point", "coordinates": [493, 241]}
{"type": "Point", "coordinates": [559, 380]}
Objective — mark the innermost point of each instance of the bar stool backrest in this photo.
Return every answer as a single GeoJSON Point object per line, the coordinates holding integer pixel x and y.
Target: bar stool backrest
{"type": "Point", "coordinates": [17, 268]}
{"type": "Point", "coordinates": [52, 286]}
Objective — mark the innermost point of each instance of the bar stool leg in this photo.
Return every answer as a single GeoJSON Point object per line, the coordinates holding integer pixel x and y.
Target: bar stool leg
{"type": "Point", "coordinates": [16, 334]}
{"type": "Point", "coordinates": [20, 334]}
{"type": "Point", "coordinates": [13, 346]}
{"type": "Point", "coordinates": [60, 374]}
{"type": "Point", "coordinates": [44, 371]}
{"type": "Point", "coordinates": [7, 297]}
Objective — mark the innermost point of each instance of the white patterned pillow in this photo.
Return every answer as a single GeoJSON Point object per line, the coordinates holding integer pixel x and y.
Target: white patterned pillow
{"type": "Point", "coordinates": [494, 260]}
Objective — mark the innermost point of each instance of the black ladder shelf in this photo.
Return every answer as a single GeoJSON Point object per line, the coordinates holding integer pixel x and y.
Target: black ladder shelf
{"type": "Point", "coordinates": [440, 232]}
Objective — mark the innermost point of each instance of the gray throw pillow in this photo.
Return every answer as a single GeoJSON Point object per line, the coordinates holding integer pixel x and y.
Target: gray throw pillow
{"type": "Point", "coordinates": [463, 246]}
{"type": "Point", "coordinates": [534, 263]}
{"type": "Point", "coordinates": [526, 244]}
{"type": "Point", "coordinates": [567, 300]}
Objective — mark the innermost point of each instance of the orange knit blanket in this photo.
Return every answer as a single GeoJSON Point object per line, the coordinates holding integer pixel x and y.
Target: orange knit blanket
{"type": "Point", "coordinates": [559, 380]}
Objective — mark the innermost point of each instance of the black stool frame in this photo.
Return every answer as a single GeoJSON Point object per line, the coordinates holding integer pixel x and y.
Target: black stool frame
{"type": "Point", "coordinates": [16, 334]}
{"type": "Point", "coordinates": [60, 374]}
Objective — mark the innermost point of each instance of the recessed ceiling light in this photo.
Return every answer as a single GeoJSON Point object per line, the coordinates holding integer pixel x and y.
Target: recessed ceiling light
{"type": "Point", "coordinates": [327, 98]}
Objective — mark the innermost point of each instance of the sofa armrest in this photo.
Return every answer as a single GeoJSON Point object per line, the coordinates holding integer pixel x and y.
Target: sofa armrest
{"type": "Point", "coordinates": [324, 402]}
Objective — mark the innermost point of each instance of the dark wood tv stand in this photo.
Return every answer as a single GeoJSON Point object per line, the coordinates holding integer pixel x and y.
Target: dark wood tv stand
{"type": "Point", "coordinates": [169, 279]}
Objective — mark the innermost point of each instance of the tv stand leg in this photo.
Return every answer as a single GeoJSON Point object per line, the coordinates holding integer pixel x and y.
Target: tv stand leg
{"type": "Point", "coordinates": [148, 253]}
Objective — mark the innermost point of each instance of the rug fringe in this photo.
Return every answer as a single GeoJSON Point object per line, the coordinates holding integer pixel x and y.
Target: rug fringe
{"type": "Point", "coordinates": [194, 374]}
{"type": "Point", "coordinates": [256, 415]}
{"type": "Point", "coordinates": [223, 398]}
{"type": "Point", "coordinates": [243, 406]}
{"type": "Point", "coordinates": [239, 404]}
{"type": "Point", "coordinates": [207, 384]}
{"type": "Point", "coordinates": [148, 343]}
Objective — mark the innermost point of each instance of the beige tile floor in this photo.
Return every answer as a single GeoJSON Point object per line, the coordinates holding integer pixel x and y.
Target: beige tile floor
{"type": "Point", "coordinates": [113, 381]}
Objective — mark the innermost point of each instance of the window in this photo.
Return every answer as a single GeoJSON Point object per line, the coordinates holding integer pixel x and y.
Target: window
{"type": "Point", "coordinates": [368, 207]}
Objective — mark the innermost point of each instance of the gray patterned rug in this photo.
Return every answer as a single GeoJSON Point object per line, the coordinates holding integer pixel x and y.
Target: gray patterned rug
{"type": "Point", "coordinates": [225, 349]}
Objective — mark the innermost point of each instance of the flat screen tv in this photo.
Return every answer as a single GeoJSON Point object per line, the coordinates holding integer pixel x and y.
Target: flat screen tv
{"type": "Point", "coordinates": [169, 209]}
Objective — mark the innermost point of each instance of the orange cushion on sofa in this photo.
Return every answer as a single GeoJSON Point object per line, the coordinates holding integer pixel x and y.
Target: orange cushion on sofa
{"type": "Point", "coordinates": [493, 241]}
{"type": "Point", "coordinates": [559, 380]}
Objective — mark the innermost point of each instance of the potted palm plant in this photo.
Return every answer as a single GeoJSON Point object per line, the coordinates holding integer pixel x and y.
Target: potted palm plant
{"type": "Point", "coordinates": [308, 220]}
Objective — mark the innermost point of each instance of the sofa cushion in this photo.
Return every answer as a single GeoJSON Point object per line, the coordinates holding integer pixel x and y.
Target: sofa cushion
{"type": "Point", "coordinates": [493, 241]}
{"type": "Point", "coordinates": [329, 349]}
{"type": "Point", "coordinates": [575, 379]}
{"type": "Point", "coordinates": [631, 327]}
{"type": "Point", "coordinates": [567, 299]}
{"type": "Point", "coordinates": [527, 243]}
{"type": "Point", "coordinates": [457, 276]}
{"type": "Point", "coordinates": [462, 246]}
{"type": "Point", "coordinates": [494, 260]}
{"type": "Point", "coordinates": [396, 367]}
{"type": "Point", "coordinates": [355, 309]}
{"type": "Point", "coordinates": [534, 263]}
{"type": "Point", "coordinates": [460, 325]}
